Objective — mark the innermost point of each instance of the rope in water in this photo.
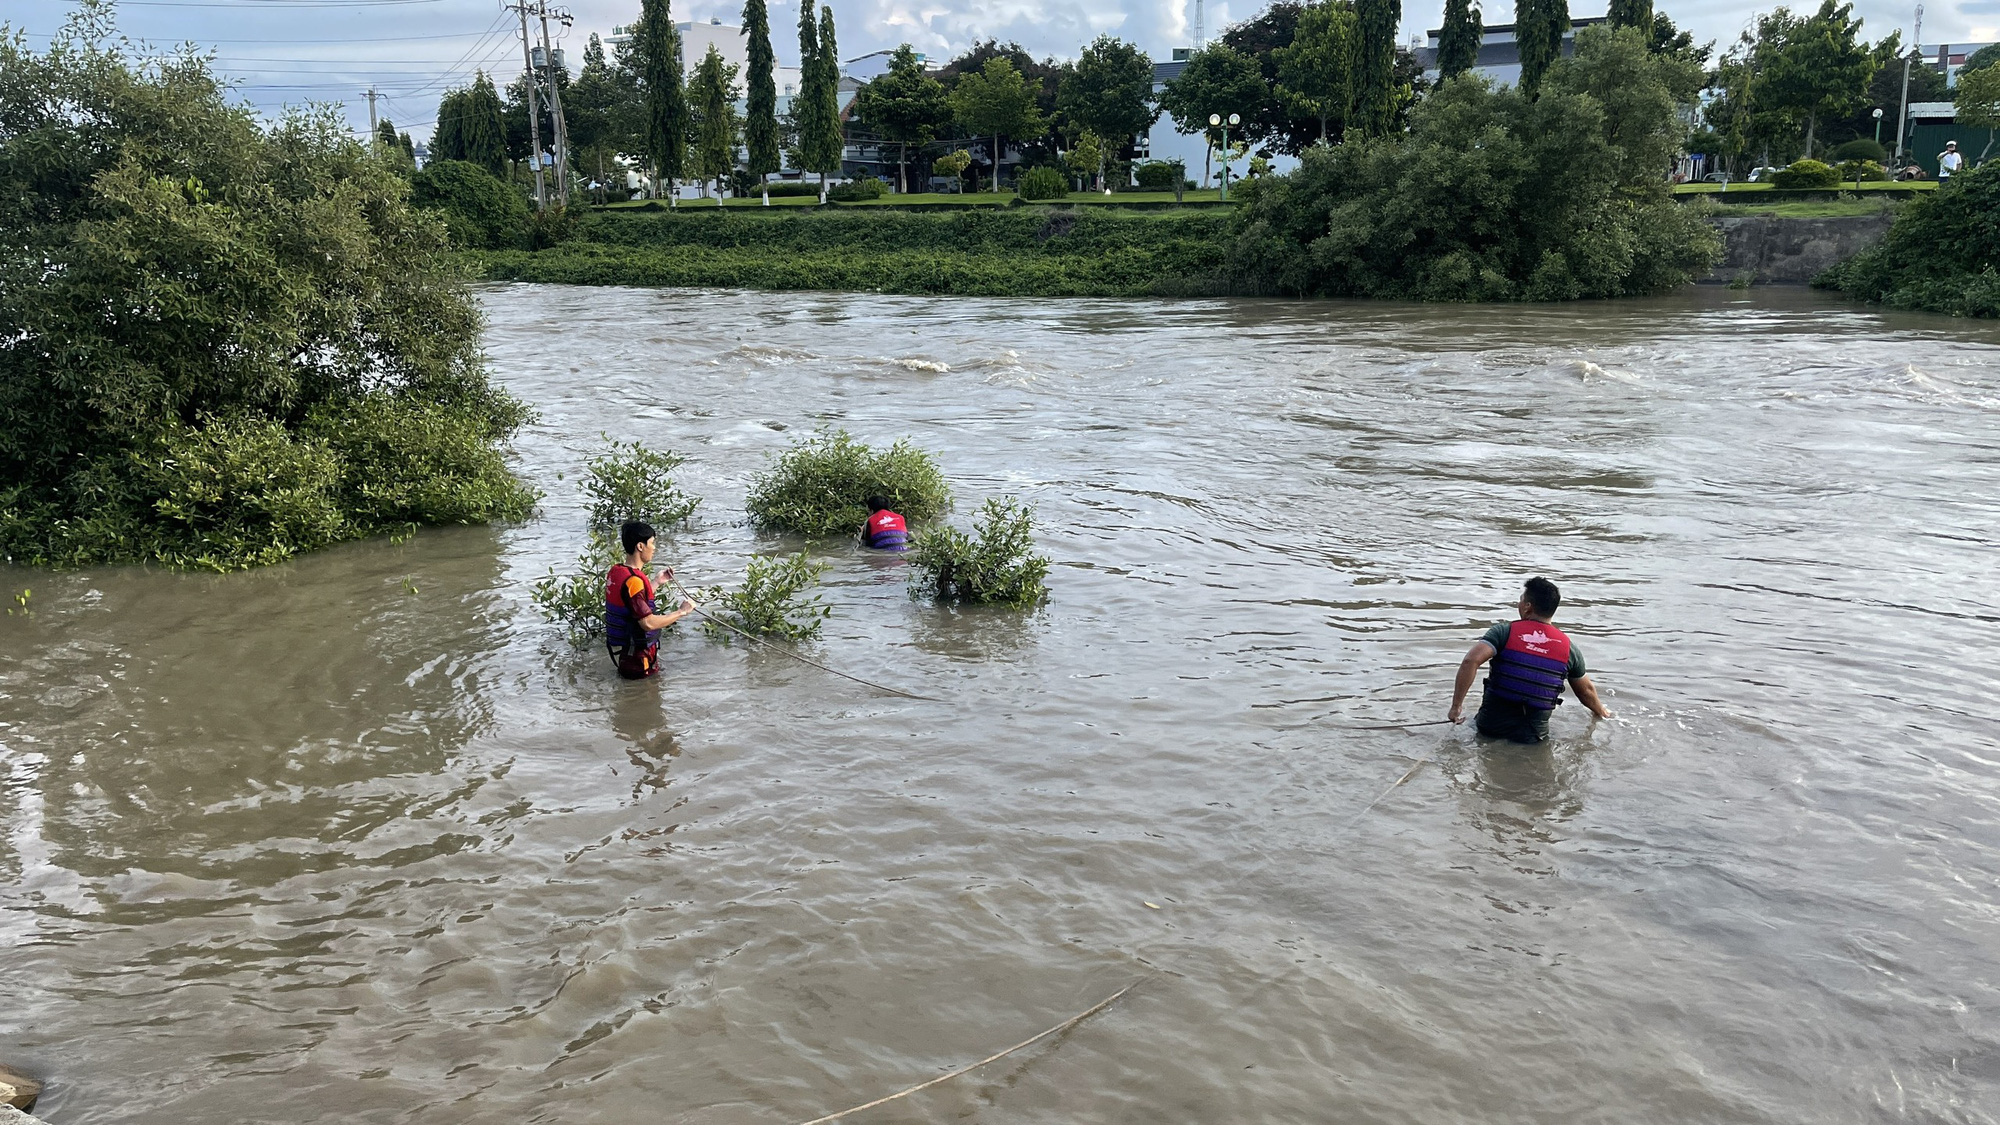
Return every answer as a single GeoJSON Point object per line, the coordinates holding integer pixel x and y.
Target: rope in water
{"type": "Point", "coordinates": [788, 652]}
{"type": "Point", "coordinates": [1070, 1022]}
{"type": "Point", "coordinates": [1400, 726]}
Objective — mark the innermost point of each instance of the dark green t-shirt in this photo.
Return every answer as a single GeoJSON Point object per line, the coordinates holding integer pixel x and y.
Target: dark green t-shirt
{"type": "Point", "coordinates": [1497, 637]}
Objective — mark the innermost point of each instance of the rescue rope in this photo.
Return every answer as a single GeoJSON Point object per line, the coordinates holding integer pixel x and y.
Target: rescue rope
{"type": "Point", "coordinates": [1070, 1022]}
{"type": "Point", "coordinates": [1400, 726]}
{"type": "Point", "coordinates": [675, 583]}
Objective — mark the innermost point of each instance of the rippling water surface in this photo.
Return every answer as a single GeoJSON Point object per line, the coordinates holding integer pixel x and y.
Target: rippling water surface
{"type": "Point", "coordinates": [358, 838]}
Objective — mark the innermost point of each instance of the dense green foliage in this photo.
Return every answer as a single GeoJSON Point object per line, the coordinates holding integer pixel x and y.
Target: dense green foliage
{"type": "Point", "coordinates": [480, 212]}
{"type": "Point", "coordinates": [1459, 38]}
{"type": "Point", "coordinates": [1377, 94]}
{"type": "Point", "coordinates": [1539, 26]}
{"type": "Point", "coordinates": [220, 344]}
{"type": "Point", "coordinates": [760, 111]}
{"type": "Point", "coordinates": [1160, 175]}
{"type": "Point", "coordinates": [858, 190]}
{"type": "Point", "coordinates": [656, 49]}
{"type": "Point", "coordinates": [1806, 174]}
{"type": "Point", "coordinates": [773, 601]}
{"type": "Point", "coordinates": [821, 485]}
{"type": "Point", "coordinates": [1461, 207]}
{"type": "Point", "coordinates": [631, 482]}
{"type": "Point", "coordinates": [470, 127]}
{"type": "Point", "coordinates": [1942, 254]}
{"type": "Point", "coordinates": [1042, 183]}
{"type": "Point", "coordinates": [905, 106]}
{"type": "Point", "coordinates": [1861, 148]}
{"type": "Point", "coordinates": [996, 565]}
{"type": "Point", "coordinates": [1025, 251]}
{"type": "Point", "coordinates": [574, 598]}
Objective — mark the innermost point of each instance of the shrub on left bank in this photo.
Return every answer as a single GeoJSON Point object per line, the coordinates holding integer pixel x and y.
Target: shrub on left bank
{"type": "Point", "coordinates": [220, 343]}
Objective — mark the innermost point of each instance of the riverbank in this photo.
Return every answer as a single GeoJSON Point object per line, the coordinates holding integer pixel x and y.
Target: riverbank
{"type": "Point", "coordinates": [1002, 252]}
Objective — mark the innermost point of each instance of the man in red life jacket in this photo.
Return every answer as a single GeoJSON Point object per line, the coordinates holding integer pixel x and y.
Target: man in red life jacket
{"type": "Point", "coordinates": [884, 530]}
{"type": "Point", "coordinates": [631, 625]}
{"type": "Point", "coordinates": [1532, 660]}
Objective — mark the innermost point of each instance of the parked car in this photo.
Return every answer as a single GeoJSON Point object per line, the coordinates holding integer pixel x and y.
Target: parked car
{"type": "Point", "coordinates": [1717, 178]}
{"type": "Point", "coordinates": [1758, 175]}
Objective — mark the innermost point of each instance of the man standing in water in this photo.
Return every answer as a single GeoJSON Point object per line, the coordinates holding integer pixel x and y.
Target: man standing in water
{"type": "Point", "coordinates": [631, 627]}
{"type": "Point", "coordinates": [1532, 659]}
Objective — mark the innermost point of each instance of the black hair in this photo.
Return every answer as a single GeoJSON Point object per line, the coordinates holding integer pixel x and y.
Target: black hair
{"type": "Point", "coordinates": [1543, 595]}
{"type": "Point", "coordinates": [878, 503]}
{"type": "Point", "coordinates": [634, 532]}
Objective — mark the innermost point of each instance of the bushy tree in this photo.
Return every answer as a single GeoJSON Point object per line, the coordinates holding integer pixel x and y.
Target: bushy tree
{"type": "Point", "coordinates": [712, 94]}
{"type": "Point", "coordinates": [1539, 27]}
{"type": "Point", "coordinates": [1816, 68]}
{"type": "Point", "coordinates": [1316, 69]}
{"type": "Point", "coordinates": [599, 109]}
{"type": "Point", "coordinates": [657, 46]}
{"type": "Point", "coordinates": [220, 343]}
{"type": "Point", "coordinates": [480, 212]}
{"type": "Point", "coordinates": [816, 107]}
{"type": "Point", "coordinates": [1375, 87]}
{"type": "Point", "coordinates": [1461, 207]}
{"type": "Point", "coordinates": [1217, 81]}
{"type": "Point", "coordinates": [997, 102]}
{"type": "Point", "coordinates": [1458, 39]}
{"type": "Point", "coordinates": [1631, 13]}
{"type": "Point", "coordinates": [1109, 94]}
{"type": "Point", "coordinates": [1942, 254]}
{"type": "Point", "coordinates": [471, 127]}
{"type": "Point", "coordinates": [1977, 103]}
{"type": "Point", "coordinates": [760, 122]}
{"type": "Point", "coordinates": [905, 106]}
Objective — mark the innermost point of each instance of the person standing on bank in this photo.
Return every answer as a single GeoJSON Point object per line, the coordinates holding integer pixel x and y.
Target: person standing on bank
{"type": "Point", "coordinates": [631, 624]}
{"type": "Point", "coordinates": [1949, 161]}
{"type": "Point", "coordinates": [1532, 659]}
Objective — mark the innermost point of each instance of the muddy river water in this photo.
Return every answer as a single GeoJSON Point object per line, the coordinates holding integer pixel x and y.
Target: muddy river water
{"type": "Point", "coordinates": [358, 839]}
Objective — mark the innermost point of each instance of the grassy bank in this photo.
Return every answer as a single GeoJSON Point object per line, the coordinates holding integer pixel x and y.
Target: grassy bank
{"type": "Point", "coordinates": [921, 199]}
{"type": "Point", "coordinates": [1809, 208]}
{"type": "Point", "coordinates": [1011, 252]}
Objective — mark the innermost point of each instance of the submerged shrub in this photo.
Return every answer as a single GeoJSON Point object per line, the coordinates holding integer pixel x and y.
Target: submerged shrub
{"type": "Point", "coordinates": [574, 599]}
{"type": "Point", "coordinates": [821, 485]}
{"type": "Point", "coordinates": [771, 602]}
{"type": "Point", "coordinates": [632, 482]}
{"type": "Point", "coordinates": [995, 565]}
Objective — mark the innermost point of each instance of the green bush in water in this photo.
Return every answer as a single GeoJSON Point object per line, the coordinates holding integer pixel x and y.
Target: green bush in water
{"type": "Point", "coordinates": [821, 485]}
{"type": "Point", "coordinates": [480, 211]}
{"type": "Point", "coordinates": [632, 482]}
{"type": "Point", "coordinates": [996, 565]}
{"type": "Point", "coordinates": [574, 599]}
{"type": "Point", "coordinates": [221, 342]}
{"type": "Point", "coordinates": [1806, 174]}
{"type": "Point", "coordinates": [1942, 254]}
{"type": "Point", "coordinates": [1042, 183]}
{"type": "Point", "coordinates": [772, 602]}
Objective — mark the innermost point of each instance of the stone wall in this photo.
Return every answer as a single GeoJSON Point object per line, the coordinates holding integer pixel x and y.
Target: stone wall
{"type": "Point", "coordinates": [1773, 250]}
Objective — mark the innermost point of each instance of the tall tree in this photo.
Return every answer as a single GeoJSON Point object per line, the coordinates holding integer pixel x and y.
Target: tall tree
{"type": "Point", "coordinates": [760, 123]}
{"type": "Point", "coordinates": [483, 132]}
{"type": "Point", "coordinates": [666, 112]}
{"type": "Point", "coordinates": [596, 117]}
{"type": "Point", "coordinates": [1631, 13]}
{"type": "Point", "coordinates": [1458, 40]}
{"type": "Point", "coordinates": [827, 143]}
{"type": "Point", "coordinates": [1539, 26]}
{"type": "Point", "coordinates": [712, 98]}
{"type": "Point", "coordinates": [996, 102]}
{"type": "Point", "coordinates": [1977, 103]}
{"type": "Point", "coordinates": [1375, 87]}
{"type": "Point", "coordinates": [905, 106]}
{"type": "Point", "coordinates": [1218, 81]}
{"type": "Point", "coordinates": [1109, 93]}
{"type": "Point", "coordinates": [1819, 69]}
{"type": "Point", "coordinates": [807, 105]}
{"type": "Point", "coordinates": [1316, 70]}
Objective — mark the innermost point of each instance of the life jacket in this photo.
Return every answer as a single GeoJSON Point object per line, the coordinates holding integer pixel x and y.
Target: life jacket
{"type": "Point", "coordinates": [1532, 668]}
{"type": "Point", "coordinates": [887, 531]}
{"type": "Point", "coordinates": [636, 651]}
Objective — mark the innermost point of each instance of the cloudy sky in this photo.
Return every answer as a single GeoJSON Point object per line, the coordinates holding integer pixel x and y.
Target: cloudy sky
{"type": "Point", "coordinates": [289, 51]}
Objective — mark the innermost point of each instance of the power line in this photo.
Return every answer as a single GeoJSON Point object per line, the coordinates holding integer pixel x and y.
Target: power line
{"type": "Point", "coordinates": [241, 4]}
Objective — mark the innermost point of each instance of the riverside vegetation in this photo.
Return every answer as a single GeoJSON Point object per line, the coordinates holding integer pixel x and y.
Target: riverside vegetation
{"type": "Point", "coordinates": [1491, 194]}
{"type": "Point", "coordinates": [1942, 253]}
{"type": "Point", "coordinates": [220, 343]}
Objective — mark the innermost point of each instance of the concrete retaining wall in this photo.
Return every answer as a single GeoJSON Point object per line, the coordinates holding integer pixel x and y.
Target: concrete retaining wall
{"type": "Point", "coordinates": [1773, 250]}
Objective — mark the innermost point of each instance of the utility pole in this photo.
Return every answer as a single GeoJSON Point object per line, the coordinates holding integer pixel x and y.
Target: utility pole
{"type": "Point", "coordinates": [1200, 38]}
{"type": "Point", "coordinates": [555, 102]}
{"type": "Point", "coordinates": [1903, 114]}
{"type": "Point", "coordinates": [534, 109]}
{"type": "Point", "coordinates": [371, 114]}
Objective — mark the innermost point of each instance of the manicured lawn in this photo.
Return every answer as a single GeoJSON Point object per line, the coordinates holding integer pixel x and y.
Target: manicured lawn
{"type": "Point", "coordinates": [981, 199]}
{"type": "Point", "coordinates": [1811, 208]}
{"type": "Point", "coordinates": [1865, 186]}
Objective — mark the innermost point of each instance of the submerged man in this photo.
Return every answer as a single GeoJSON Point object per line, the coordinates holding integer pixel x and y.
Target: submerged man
{"type": "Point", "coordinates": [1532, 659]}
{"type": "Point", "coordinates": [884, 530]}
{"type": "Point", "coordinates": [631, 625]}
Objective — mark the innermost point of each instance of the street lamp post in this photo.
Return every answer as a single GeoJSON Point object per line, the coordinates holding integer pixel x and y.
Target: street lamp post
{"type": "Point", "coordinates": [1214, 120]}
{"type": "Point", "coordinates": [1878, 124]}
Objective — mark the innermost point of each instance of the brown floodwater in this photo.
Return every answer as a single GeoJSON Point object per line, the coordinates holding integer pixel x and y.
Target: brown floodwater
{"type": "Point", "coordinates": [359, 839]}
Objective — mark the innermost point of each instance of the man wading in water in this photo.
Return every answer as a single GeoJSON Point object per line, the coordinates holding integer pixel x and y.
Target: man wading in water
{"type": "Point", "coordinates": [631, 627]}
{"type": "Point", "coordinates": [1532, 659]}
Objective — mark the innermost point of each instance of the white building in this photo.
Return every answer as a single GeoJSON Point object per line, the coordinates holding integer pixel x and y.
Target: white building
{"type": "Point", "coordinates": [1499, 55]}
{"type": "Point", "coordinates": [1165, 141]}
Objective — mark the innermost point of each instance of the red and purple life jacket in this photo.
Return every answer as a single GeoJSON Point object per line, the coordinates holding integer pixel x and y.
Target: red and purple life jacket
{"type": "Point", "coordinates": [886, 531]}
{"type": "Point", "coordinates": [628, 600]}
{"type": "Point", "coordinates": [1533, 667]}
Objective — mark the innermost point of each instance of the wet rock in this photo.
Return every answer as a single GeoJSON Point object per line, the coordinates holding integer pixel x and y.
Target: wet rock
{"type": "Point", "coordinates": [11, 1116]}
{"type": "Point", "coordinates": [17, 1090]}
{"type": "Point", "coordinates": [1768, 249]}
